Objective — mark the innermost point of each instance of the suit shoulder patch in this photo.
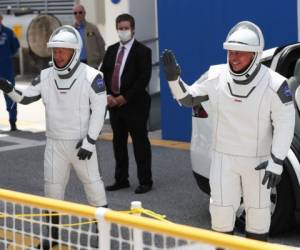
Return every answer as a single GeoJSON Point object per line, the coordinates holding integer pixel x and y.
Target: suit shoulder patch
{"type": "Point", "coordinates": [98, 84]}
{"type": "Point", "coordinates": [284, 93]}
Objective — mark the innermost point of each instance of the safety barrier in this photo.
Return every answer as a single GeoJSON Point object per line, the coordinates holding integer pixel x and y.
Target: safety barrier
{"type": "Point", "coordinates": [27, 221]}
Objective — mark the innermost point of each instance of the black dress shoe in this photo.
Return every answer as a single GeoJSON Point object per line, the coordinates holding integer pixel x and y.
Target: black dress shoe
{"type": "Point", "coordinates": [117, 186]}
{"type": "Point", "coordinates": [142, 189]}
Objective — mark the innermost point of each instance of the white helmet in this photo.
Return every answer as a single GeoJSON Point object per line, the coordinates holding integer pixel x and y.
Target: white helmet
{"type": "Point", "coordinates": [66, 36]}
{"type": "Point", "coordinates": [245, 36]}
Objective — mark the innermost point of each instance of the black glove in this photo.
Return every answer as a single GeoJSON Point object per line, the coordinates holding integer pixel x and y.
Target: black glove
{"type": "Point", "coordinates": [171, 68]}
{"type": "Point", "coordinates": [83, 153]}
{"type": "Point", "coordinates": [6, 86]}
{"type": "Point", "coordinates": [272, 178]}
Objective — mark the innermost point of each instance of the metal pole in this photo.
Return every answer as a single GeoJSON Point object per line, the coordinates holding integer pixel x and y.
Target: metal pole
{"type": "Point", "coordinates": [137, 233]}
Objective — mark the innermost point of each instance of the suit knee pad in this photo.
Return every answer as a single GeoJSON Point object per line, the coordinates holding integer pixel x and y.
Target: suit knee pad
{"type": "Point", "coordinates": [56, 191]}
{"type": "Point", "coordinates": [222, 218]}
{"type": "Point", "coordinates": [95, 193]}
{"type": "Point", "coordinates": [258, 220]}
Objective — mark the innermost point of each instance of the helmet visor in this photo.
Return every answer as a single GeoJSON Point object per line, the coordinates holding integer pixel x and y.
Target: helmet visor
{"type": "Point", "coordinates": [245, 36]}
{"type": "Point", "coordinates": [65, 37]}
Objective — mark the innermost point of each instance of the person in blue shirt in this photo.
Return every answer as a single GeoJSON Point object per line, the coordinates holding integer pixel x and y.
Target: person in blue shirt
{"type": "Point", "coordinates": [93, 48]}
{"type": "Point", "coordinates": [9, 46]}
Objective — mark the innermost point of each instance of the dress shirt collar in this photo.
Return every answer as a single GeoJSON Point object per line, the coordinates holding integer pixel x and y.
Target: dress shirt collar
{"type": "Point", "coordinates": [80, 25]}
{"type": "Point", "coordinates": [127, 45]}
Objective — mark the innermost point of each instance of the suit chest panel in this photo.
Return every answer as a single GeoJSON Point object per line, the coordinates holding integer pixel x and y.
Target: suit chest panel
{"type": "Point", "coordinates": [240, 104]}
{"type": "Point", "coordinates": [65, 95]}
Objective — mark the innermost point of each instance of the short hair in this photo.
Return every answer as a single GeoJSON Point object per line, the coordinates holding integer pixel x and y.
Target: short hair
{"type": "Point", "coordinates": [79, 5]}
{"type": "Point", "coordinates": [125, 17]}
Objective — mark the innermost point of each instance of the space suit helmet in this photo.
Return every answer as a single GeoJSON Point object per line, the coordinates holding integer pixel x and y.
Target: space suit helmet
{"type": "Point", "coordinates": [66, 36]}
{"type": "Point", "coordinates": [245, 36]}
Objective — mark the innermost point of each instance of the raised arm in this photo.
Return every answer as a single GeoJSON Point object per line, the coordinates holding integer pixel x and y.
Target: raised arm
{"type": "Point", "coordinates": [188, 96]}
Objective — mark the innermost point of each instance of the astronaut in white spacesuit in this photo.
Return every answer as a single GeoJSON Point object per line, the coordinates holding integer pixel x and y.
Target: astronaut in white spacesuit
{"type": "Point", "coordinates": [297, 97]}
{"type": "Point", "coordinates": [253, 125]}
{"type": "Point", "coordinates": [74, 96]}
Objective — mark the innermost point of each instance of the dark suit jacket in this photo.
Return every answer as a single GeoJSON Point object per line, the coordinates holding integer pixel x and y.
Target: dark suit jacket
{"type": "Point", "coordinates": [135, 76]}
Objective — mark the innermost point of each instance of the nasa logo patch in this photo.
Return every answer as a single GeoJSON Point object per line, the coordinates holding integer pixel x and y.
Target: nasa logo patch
{"type": "Point", "coordinates": [284, 93]}
{"type": "Point", "coordinates": [98, 84]}
{"type": "Point", "coordinates": [287, 90]}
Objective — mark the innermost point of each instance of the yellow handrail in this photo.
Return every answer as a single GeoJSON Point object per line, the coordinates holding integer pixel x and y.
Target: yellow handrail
{"type": "Point", "coordinates": [49, 204]}
{"type": "Point", "coordinates": [151, 225]}
{"type": "Point", "coordinates": [191, 233]}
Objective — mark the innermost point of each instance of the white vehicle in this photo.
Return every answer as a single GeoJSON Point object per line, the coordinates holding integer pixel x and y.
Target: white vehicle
{"type": "Point", "coordinates": [285, 197]}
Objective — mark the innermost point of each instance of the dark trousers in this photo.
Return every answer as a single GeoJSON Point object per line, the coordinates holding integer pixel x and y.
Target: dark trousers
{"type": "Point", "coordinates": [6, 72]}
{"type": "Point", "coordinates": [123, 122]}
{"type": "Point", "coordinates": [11, 108]}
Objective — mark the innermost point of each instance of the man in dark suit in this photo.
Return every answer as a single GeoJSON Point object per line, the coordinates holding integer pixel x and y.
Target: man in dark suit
{"type": "Point", "coordinates": [127, 69]}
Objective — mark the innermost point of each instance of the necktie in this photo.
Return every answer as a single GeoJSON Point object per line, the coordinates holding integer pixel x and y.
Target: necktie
{"type": "Point", "coordinates": [116, 74]}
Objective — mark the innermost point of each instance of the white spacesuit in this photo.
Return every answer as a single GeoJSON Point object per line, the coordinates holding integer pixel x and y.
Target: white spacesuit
{"type": "Point", "coordinates": [297, 97]}
{"type": "Point", "coordinates": [253, 126]}
{"type": "Point", "coordinates": [75, 100]}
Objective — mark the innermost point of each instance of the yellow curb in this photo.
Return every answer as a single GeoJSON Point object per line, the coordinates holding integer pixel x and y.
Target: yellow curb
{"type": "Point", "coordinates": [109, 136]}
{"type": "Point", "coordinates": [154, 142]}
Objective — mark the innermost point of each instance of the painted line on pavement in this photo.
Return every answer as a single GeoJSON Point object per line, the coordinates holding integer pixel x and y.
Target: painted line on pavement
{"type": "Point", "coordinates": [19, 143]}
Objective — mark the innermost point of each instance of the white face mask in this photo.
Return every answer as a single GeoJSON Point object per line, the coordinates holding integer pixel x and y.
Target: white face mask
{"type": "Point", "coordinates": [124, 35]}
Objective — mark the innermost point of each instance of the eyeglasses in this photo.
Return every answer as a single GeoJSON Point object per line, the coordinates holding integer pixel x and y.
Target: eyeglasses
{"type": "Point", "coordinates": [78, 12]}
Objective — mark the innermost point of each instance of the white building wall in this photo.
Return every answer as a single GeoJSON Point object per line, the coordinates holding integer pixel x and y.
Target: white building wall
{"type": "Point", "coordinates": [145, 14]}
{"type": "Point", "coordinates": [103, 13]}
